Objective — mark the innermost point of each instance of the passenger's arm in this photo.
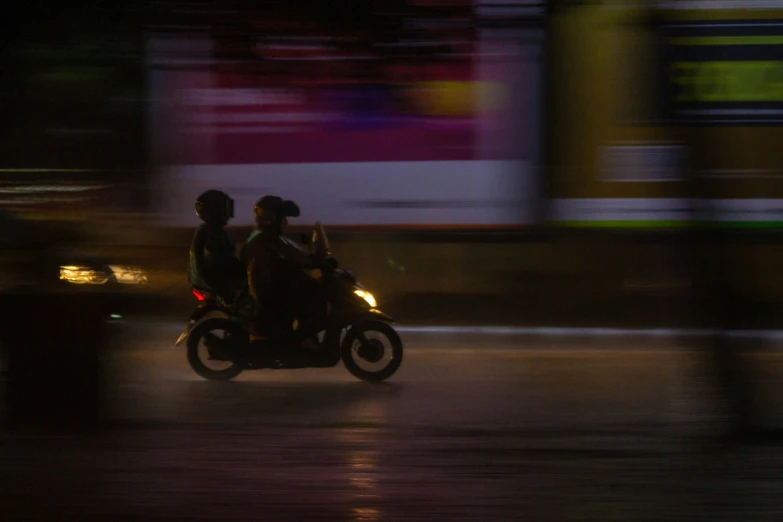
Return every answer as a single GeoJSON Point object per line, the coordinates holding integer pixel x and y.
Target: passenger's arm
{"type": "Point", "coordinates": [294, 252]}
{"type": "Point", "coordinates": [197, 252]}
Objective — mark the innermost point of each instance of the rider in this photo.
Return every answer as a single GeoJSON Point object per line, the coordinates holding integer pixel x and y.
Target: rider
{"type": "Point", "coordinates": [274, 264]}
{"type": "Point", "coordinates": [213, 264]}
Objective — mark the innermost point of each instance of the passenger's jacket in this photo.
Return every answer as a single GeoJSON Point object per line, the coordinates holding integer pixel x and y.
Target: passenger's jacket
{"type": "Point", "coordinates": [213, 262]}
{"type": "Point", "coordinates": [272, 262]}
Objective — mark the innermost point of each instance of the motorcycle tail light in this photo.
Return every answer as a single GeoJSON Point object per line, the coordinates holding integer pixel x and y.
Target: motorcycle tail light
{"type": "Point", "coordinates": [198, 295]}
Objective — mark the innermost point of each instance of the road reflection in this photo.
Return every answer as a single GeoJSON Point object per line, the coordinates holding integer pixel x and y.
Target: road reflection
{"type": "Point", "coordinates": [363, 470]}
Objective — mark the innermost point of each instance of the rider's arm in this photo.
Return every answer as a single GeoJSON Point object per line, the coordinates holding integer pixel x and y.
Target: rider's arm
{"type": "Point", "coordinates": [292, 251]}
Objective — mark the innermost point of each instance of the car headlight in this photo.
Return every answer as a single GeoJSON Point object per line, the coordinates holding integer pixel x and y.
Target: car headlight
{"type": "Point", "coordinates": [82, 275]}
{"type": "Point", "coordinates": [129, 275]}
{"type": "Point", "coordinates": [86, 275]}
{"type": "Point", "coordinates": [367, 296]}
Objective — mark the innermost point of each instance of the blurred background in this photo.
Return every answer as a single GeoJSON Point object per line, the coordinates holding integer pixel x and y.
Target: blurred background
{"type": "Point", "coordinates": [507, 162]}
{"type": "Point", "coordinates": [531, 164]}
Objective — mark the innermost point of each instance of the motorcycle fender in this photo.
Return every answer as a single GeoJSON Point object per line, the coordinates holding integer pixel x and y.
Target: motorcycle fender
{"type": "Point", "coordinates": [201, 311]}
{"type": "Point", "coordinates": [351, 317]}
{"type": "Point", "coordinates": [379, 316]}
{"type": "Point", "coordinates": [198, 314]}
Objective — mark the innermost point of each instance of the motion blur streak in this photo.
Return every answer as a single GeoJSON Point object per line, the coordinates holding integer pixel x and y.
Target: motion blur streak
{"type": "Point", "coordinates": [573, 210]}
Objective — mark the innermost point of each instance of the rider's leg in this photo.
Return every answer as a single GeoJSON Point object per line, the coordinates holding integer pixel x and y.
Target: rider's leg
{"type": "Point", "coordinates": [308, 303]}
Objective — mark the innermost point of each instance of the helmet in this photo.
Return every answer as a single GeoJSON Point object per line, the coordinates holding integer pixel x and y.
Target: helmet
{"type": "Point", "coordinates": [273, 210]}
{"type": "Point", "coordinates": [267, 211]}
{"type": "Point", "coordinates": [214, 206]}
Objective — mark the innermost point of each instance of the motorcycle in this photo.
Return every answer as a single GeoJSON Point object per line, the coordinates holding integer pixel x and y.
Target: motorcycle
{"type": "Point", "coordinates": [355, 332]}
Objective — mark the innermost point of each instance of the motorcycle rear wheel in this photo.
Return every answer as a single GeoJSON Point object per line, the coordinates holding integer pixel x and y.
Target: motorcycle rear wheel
{"type": "Point", "coordinates": [231, 330]}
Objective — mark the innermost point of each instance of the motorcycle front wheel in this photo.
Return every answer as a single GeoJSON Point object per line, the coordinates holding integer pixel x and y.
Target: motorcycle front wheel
{"type": "Point", "coordinates": [208, 343]}
{"type": "Point", "coordinates": [372, 351]}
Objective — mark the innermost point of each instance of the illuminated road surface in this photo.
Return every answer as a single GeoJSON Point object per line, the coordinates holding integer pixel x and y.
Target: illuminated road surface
{"type": "Point", "coordinates": [470, 429]}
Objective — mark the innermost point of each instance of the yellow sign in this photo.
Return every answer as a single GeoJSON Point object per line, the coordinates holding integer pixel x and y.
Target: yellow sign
{"type": "Point", "coordinates": [449, 98]}
{"type": "Point", "coordinates": [723, 81]}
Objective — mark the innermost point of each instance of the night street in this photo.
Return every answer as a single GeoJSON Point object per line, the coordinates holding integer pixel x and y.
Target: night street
{"type": "Point", "coordinates": [495, 428]}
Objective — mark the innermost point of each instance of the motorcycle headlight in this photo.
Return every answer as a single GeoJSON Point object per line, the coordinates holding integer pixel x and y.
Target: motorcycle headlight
{"type": "Point", "coordinates": [367, 296]}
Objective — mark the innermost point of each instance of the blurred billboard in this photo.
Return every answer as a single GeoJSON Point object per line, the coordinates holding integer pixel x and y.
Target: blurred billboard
{"type": "Point", "coordinates": [435, 128]}
{"type": "Point", "coordinates": [668, 93]}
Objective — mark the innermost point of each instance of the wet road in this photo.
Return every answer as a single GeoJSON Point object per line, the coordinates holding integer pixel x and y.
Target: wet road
{"type": "Point", "coordinates": [471, 428]}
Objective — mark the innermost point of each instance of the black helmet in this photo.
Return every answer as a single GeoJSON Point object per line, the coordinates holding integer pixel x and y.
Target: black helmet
{"type": "Point", "coordinates": [273, 211]}
{"type": "Point", "coordinates": [215, 206]}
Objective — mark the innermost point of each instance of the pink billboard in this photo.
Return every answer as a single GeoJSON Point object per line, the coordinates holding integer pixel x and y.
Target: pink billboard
{"type": "Point", "coordinates": [456, 131]}
{"type": "Point", "coordinates": [255, 120]}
